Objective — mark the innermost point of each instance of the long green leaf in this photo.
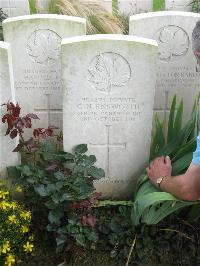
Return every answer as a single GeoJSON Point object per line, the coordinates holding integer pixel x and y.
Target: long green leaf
{"type": "Point", "coordinates": [182, 164]}
{"type": "Point", "coordinates": [157, 214]}
{"type": "Point", "coordinates": [160, 139]}
{"type": "Point", "coordinates": [104, 203]}
{"type": "Point", "coordinates": [178, 119]}
{"type": "Point", "coordinates": [185, 148]}
{"type": "Point", "coordinates": [171, 120]}
{"type": "Point", "coordinates": [142, 205]}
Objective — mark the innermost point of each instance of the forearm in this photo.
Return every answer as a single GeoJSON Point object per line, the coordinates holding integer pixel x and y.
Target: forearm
{"type": "Point", "coordinates": [182, 187]}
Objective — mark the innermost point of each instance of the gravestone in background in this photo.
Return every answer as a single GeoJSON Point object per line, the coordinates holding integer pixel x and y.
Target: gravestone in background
{"type": "Point", "coordinates": [177, 64]}
{"type": "Point", "coordinates": [179, 5]}
{"type": "Point", "coordinates": [130, 7]}
{"type": "Point", "coordinates": [109, 83]}
{"type": "Point", "coordinates": [15, 8]}
{"type": "Point", "coordinates": [35, 45]}
{"type": "Point", "coordinates": [135, 6]}
{"type": "Point", "coordinates": [7, 157]}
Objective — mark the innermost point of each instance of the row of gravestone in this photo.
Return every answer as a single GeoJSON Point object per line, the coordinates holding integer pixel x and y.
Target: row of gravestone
{"type": "Point", "coordinates": [130, 7]}
{"type": "Point", "coordinates": [105, 84]}
{"type": "Point", "coordinates": [21, 7]}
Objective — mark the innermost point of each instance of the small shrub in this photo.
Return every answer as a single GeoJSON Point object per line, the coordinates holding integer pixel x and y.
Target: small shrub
{"type": "Point", "coordinates": [57, 184]}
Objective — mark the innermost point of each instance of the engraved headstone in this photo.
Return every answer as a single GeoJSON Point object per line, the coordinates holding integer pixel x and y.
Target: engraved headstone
{"type": "Point", "coordinates": [14, 8]}
{"type": "Point", "coordinates": [35, 42]}
{"type": "Point", "coordinates": [177, 64]}
{"type": "Point", "coordinates": [7, 157]}
{"type": "Point", "coordinates": [109, 83]}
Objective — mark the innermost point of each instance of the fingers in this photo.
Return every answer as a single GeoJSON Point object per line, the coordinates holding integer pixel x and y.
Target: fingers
{"type": "Point", "coordinates": [167, 160]}
{"type": "Point", "coordinates": [160, 160]}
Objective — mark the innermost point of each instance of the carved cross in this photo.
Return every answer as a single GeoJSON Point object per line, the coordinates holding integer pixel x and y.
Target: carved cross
{"type": "Point", "coordinates": [108, 145]}
{"type": "Point", "coordinates": [48, 110]}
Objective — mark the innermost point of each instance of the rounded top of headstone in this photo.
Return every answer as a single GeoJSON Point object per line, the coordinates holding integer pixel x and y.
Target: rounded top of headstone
{"type": "Point", "coordinates": [45, 16]}
{"type": "Point", "coordinates": [109, 37]}
{"type": "Point", "coordinates": [4, 45]}
{"type": "Point", "coordinates": [163, 14]}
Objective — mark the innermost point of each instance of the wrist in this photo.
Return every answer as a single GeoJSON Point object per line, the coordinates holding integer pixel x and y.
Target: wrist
{"type": "Point", "coordinates": [163, 183]}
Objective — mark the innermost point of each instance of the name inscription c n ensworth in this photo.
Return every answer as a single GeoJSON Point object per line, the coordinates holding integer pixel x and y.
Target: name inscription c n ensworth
{"type": "Point", "coordinates": [111, 109]}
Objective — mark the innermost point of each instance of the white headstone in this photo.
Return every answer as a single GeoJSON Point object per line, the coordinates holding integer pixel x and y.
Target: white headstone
{"type": "Point", "coordinates": [177, 64]}
{"type": "Point", "coordinates": [7, 157]}
{"type": "Point", "coordinates": [109, 83]}
{"type": "Point", "coordinates": [135, 6]}
{"type": "Point", "coordinates": [15, 8]}
{"type": "Point", "coordinates": [179, 5]}
{"type": "Point", "coordinates": [35, 43]}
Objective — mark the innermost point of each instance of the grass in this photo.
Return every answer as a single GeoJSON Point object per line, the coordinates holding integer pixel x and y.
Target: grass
{"type": "Point", "coordinates": [33, 6]}
{"type": "Point", "coordinates": [158, 5]}
{"type": "Point", "coordinates": [97, 17]}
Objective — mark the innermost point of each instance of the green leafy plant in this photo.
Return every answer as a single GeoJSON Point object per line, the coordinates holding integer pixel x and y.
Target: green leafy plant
{"type": "Point", "coordinates": [151, 205]}
{"type": "Point", "coordinates": [62, 185]}
{"type": "Point", "coordinates": [56, 183]}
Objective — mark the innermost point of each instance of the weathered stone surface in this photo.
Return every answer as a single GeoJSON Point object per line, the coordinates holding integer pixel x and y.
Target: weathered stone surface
{"type": "Point", "coordinates": [177, 64]}
{"type": "Point", "coordinates": [130, 7]}
{"type": "Point", "coordinates": [7, 157]}
{"type": "Point", "coordinates": [35, 44]}
{"type": "Point", "coordinates": [179, 5]}
{"type": "Point", "coordinates": [15, 8]}
{"type": "Point", "coordinates": [109, 83]}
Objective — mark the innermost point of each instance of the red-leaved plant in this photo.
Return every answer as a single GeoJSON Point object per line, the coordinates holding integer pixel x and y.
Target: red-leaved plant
{"type": "Point", "coordinates": [83, 209]}
{"type": "Point", "coordinates": [16, 125]}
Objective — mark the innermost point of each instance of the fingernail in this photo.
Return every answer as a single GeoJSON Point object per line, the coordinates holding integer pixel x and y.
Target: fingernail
{"type": "Point", "coordinates": [167, 157]}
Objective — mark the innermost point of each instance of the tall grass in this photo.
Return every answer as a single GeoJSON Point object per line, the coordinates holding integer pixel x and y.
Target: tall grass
{"type": "Point", "coordinates": [158, 5]}
{"type": "Point", "coordinates": [97, 17]}
{"type": "Point", "coordinates": [33, 7]}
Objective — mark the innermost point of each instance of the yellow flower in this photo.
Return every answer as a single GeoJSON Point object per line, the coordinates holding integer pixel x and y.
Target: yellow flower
{"type": "Point", "coordinates": [3, 194]}
{"type": "Point", "coordinates": [24, 229]}
{"type": "Point", "coordinates": [31, 238]}
{"type": "Point", "coordinates": [13, 205]}
{"type": "Point", "coordinates": [5, 248]}
{"type": "Point", "coordinates": [28, 247]}
{"type": "Point", "coordinates": [4, 205]}
{"type": "Point", "coordinates": [18, 189]}
{"type": "Point", "coordinates": [26, 215]}
{"type": "Point", "coordinates": [10, 260]}
{"type": "Point", "coordinates": [12, 219]}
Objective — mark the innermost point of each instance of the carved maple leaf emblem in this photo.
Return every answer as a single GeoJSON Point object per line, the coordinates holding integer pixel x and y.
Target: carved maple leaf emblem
{"type": "Point", "coordinates": [173, 42]}
{"type": "Point", "coordinates": [44, 46]}
{"type": "Point", "coordinates": [108, 71]}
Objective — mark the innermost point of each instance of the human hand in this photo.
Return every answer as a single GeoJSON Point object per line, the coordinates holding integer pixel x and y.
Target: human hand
{"type": "Point", "coordinates": [161, 166]}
